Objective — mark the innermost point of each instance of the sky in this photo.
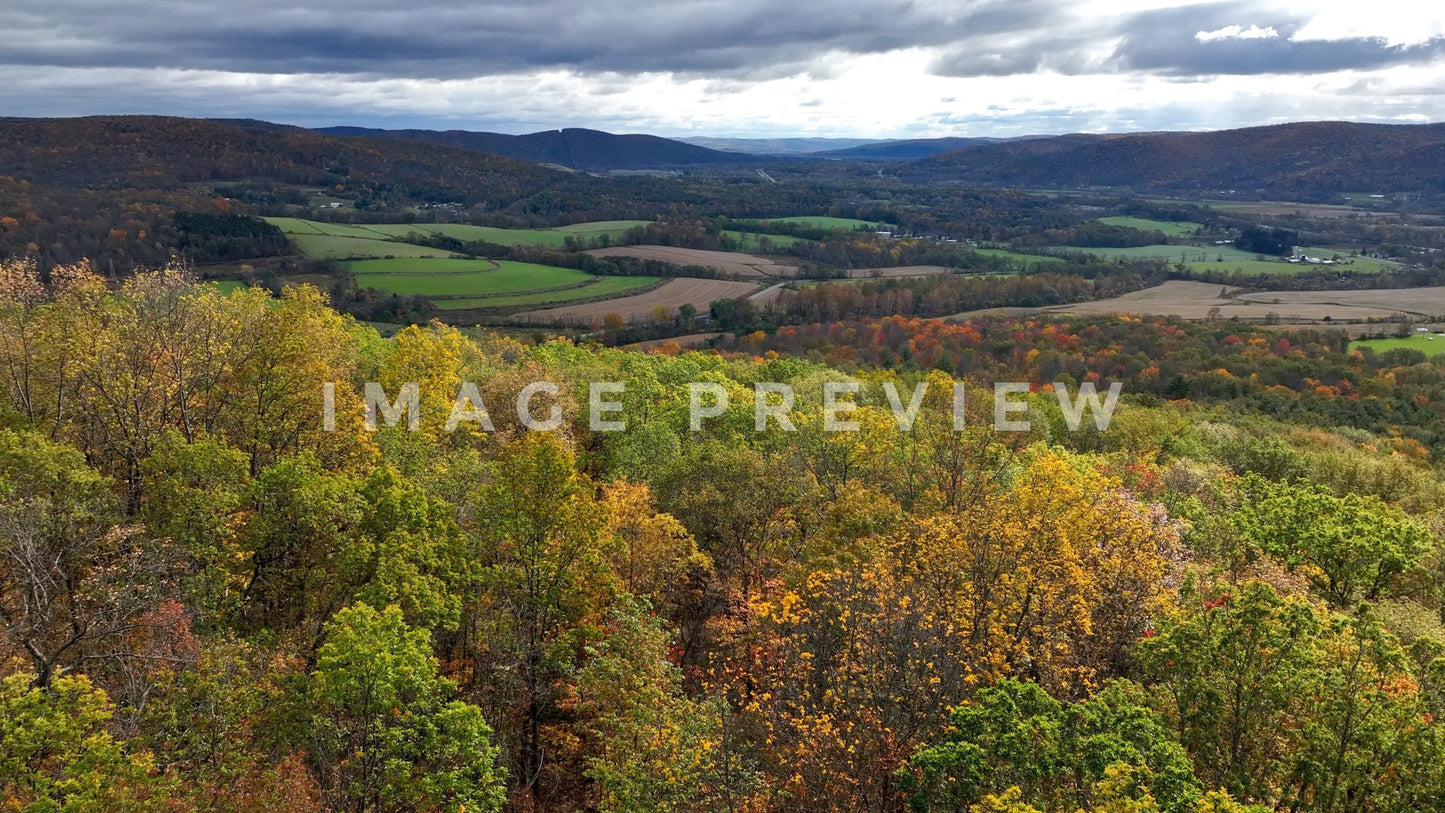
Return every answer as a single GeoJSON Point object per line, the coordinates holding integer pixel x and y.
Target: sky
{"type": "Point", "coordinates": [742, 68]}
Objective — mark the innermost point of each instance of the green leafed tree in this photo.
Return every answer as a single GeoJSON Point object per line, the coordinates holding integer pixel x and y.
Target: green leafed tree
{"type": "Point", "coordinates": [56, 755]}
{"type": "Point", "coordinates": [651, 747]}
{"type": "Point", "coordinates": [387, 735]}
{"type": "Point", "coordinates": [542, 571]}
{"type": "Point", "coordinates": [1350, 547]}
{"type": "Point", "coordinates": [194, 498]}
{"type": "Point", "coordinates": [1284, 704]}
{"type": "Point", "coordinates": [1017, 748]}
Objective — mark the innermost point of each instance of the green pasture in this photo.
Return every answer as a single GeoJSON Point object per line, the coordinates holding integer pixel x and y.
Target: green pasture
{"type": "Point", "coordinates": [1017, 256]}
{"type": "Point", "coordinates": [750, 240]}
{"type": "Point", "coordinates": [316, 239]}
{"type": "Point", "coordinates": [1347, 264]}
{"type": "Point", "coordinates": [599, 226]}
{"type": "Point", "coordinates": [1250, 266]}
{"type": "Point", "coordinates": [509, 277]}
{"type": "Point", "coordinates": [1173, 254]}
{"type": "Point", "coordinates": [1350, 261]}
{"type": "Point", "coordinates": [404, 265]}
{"type": "Point", "coordinates": [470, 233]}
{"type": "Point", "coordinates": [319, 246]}
{"type": "Point", "coordinates": [821, 222]}
{"type": "Point", "coordinates": [1170, 229]}
{"type": "Point", "coordinates": [604, 286]}
{"type": "Point", "coordinates": [1428, 343]}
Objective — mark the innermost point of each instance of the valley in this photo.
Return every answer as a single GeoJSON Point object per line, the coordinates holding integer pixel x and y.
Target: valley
{"type": "Point", "coordinates": [401, 469]}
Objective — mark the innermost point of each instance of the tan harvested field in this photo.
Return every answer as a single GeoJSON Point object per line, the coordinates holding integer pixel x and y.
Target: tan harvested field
{"type": "Point", "coordinates": [743, 265]}
{"type": "Point", "coordinates": [1196, 300]}
{"type": "Point", "coordinates": [690, 340]}
{"type": "Point", "coordinates": [899, 271]}
{"type": "Point", "coordinates": [701, 293]}
{"type": "Point", "coordinates": [1419, 301]}
{"type": "Point", "coordinates": [1192, 300]}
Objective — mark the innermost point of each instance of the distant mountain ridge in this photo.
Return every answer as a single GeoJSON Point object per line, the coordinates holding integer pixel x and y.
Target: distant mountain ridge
{"type": "Point", "coordinates": [861, 149]}
{"type": "Point", "coordinates": [596, 150]}
{"type": "Point", "coordinates": [905, 149]}
{"type": "Point", "coordinates": [575, 148]}
{"type": "Point", "coordinates": [1298, 161]}
{"type": "Point", "coordinates": [777, 146]}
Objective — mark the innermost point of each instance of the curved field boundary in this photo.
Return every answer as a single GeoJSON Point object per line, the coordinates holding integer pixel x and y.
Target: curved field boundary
{"type": "Point", "coordinates": [700, 293]}
{"type": "Point", "coordinates": [601, 288]}
{"type": "Point", "coordinates": [1412, 301]}
{"type": "Point", "coordinates": [439, 300]}
{"type": "Point", "coordinates": [511, 277]}
{"type": "Point", "coordinates": [439, 265]}
{"type": "Point", "coordinates": [337, 247]}
{"type": "Point", "coordinates": [743, 265]}
{"type": "Point", "coordinates": [594, 227]}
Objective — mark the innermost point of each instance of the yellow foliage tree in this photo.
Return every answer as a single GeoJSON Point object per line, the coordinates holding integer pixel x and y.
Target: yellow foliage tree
{"type": "Point", "coordinates": [1047, 580]}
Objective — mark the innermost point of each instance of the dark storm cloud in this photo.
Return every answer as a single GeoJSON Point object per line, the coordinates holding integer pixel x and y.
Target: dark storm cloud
{"type": "Point", "coordinates": [1260, 56]}
{"type": "Point", "coordinates": [432, 39]}
{"type": "Point", "coordinates": [1167, 42]}
{"type": "Point", "coordinates": [750, 39]}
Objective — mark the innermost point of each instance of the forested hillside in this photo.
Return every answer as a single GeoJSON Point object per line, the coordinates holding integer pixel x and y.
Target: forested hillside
{"type": "Point", "coordinates": [108, 188]}
{"type": "Point", "coordinates": [1297, 161]}
{"type": "Point", "coordinates": [571, 147]}
{"type": "Point", "coordinates": [1231, 599]}
{"type": "Point", "coordinates": [156, 152]}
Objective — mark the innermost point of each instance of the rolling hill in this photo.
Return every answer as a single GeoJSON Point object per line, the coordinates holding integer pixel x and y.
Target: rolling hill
{"type": "Point", "coordinates": [573, 147]}
{"type": "Point", "coordinates": [903, 150]}
{"type": "Point", "coordinates": [161, 152]}
{"type": "Point", "coordinates": [845, 149]}
{"type": "Point", "coordinates": [1301, 161]}
{"type": "Point", "coordinates": [776, 146]}
{"type": "Point", "coordinates": [109, 188]}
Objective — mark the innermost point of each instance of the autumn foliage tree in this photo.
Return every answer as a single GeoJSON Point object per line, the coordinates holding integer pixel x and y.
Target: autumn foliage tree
{"type": "Point", "coordinates": [213, 598]}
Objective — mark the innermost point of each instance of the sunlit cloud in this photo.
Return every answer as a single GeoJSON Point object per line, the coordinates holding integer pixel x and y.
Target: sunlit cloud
{"type": "Point", "coordinates": [1237, 32]}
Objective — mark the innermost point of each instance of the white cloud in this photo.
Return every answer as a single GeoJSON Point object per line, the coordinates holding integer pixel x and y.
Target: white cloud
{"type": "Point", "coordinates": [879, 96]}
{"type": "Point", "coordinates": [1238, 32]}
{"type": "Point", "coordinates": [1397, 22]}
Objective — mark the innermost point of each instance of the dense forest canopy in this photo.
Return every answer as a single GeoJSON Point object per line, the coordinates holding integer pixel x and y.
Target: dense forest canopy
{"type": "Point", "coordinates": [1231, 600]}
